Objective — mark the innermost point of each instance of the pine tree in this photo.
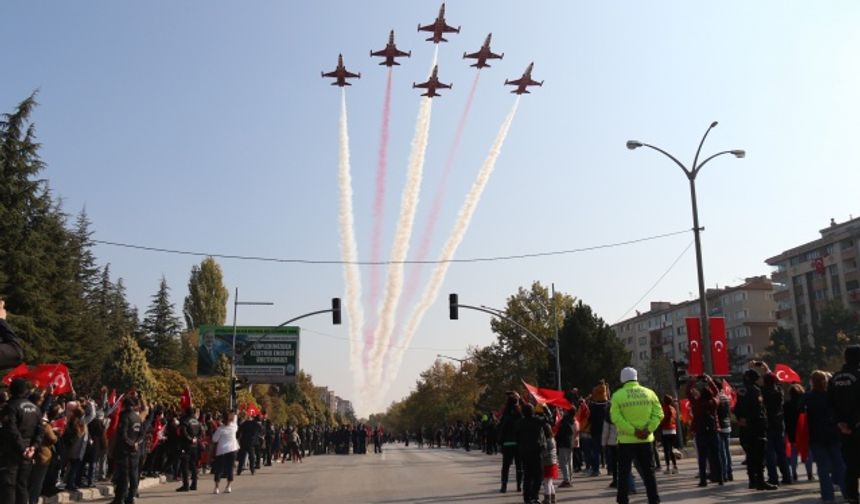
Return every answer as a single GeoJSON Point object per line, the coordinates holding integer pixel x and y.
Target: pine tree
{"type": "Point", "coordinates": [129, 368]}
{"type": "Point", "coordinates": [160, 330]}
{"type": "Point", "coordinates": [206, 303]}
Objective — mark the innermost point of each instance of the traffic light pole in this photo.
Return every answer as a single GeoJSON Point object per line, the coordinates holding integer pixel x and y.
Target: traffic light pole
{"type": "Point", "coordinates": [453, 305]}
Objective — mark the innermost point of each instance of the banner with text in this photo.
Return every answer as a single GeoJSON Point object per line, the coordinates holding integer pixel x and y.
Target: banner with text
{"type": "Point", "coordinates": [263, 354]}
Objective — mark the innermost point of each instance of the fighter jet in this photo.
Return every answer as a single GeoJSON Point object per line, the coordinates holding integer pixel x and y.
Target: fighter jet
{"type": "Point", "coordinates": [523, 82]}
{"type": "Point", "coordinates": [483, 54]}
{"type": "Point", "coordinates": [432, 84]}
{"type": "Point", "coordinates": [439, 27]}
{"type": "Point", "coordinates": [341, 74]}
{"type": "Point", "coordinates": [390, 52]}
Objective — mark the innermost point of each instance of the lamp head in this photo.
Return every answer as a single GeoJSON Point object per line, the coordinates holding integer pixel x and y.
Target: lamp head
{"type": "Point", "coordinates": [633, 144]}
{"type": "Point", "coordinates": [739, 153]}
{"type": "Point", "coordinates": [714, 124]}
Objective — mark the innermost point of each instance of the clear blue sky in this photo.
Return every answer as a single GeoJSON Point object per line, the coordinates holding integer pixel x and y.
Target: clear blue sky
{"type": "Point", "coordinates": [205, 126]}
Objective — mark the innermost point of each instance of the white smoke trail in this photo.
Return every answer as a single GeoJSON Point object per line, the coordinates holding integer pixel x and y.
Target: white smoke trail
{"type": "Point", "coordinates": [430, 293]}
{"type": "Point", "coordinates": [400, 249]}
{"type": "Point", "coordinates": [349, 253]}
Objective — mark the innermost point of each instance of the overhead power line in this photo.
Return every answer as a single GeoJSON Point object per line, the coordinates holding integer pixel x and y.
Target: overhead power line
{"type": "Point", "coordinates": [380, 263]}
{"type": "Point", "coordinates": [671, 267]}
{"type": "Point", "coordinates": [344, 338]}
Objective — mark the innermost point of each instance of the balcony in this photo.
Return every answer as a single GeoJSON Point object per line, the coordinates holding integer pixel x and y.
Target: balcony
{"type": "Point", "coordinates": [782, 295]}
{"type": "Point", "coordinates": [785, 314]}
{"type": "Point", "coordinates": [853, 296]}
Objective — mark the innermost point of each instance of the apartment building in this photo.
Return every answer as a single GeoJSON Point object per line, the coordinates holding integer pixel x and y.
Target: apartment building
{"type": "Point", "coordinates": [812, 275]}
{"type": "Point", "coordinates": [661, 332]}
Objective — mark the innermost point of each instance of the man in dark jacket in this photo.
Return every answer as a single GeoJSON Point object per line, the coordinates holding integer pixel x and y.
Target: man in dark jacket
{"type": "Point", "coordinates": [752, 420]}
{"type": "Point", "coordinates": [129, 435]}
{"type": "Point", "coordinates": [530, 444]}
{"type": "Point", "coordinates": [508, 440]}
{"type": "Point", "coordinates": [702, 394]}
{"type": "Point", "coordinates": [20, 437]}
{"type": "Point", "coordinates": [774, 402]}
{"type": "Point", "coordinates": [564, 442]}
{"type": "Point", "coordinates": [190, 433]}
{"type": "Point", "coordinates": [248, 432]}
{"type": "Point", "coordinates": [844, 396]}
{"type": "Point", "coordinates": [11, 353]}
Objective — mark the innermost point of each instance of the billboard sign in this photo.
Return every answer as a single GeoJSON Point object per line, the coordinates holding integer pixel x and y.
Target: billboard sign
{"type": "Point", "coordinates": [263, 354]}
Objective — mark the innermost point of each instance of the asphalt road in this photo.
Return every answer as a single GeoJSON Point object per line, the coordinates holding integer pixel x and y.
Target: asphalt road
{"type": "Point", "coordinates": [427, 476]}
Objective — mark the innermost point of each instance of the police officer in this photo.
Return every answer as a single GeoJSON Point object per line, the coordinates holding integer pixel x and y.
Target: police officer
{"type": "Point", "coordinates": [129, 434]}
{"type": "Point", "coordinates": [20, 437]}
{"type": "Point", "coordinates": [247, 434]}
{"type": "Point", "coordinates": [190, 432]}
{"type": "Point", "coordinates": [752, 420]}
{"type": "Point", "coordinates": [844, 395]}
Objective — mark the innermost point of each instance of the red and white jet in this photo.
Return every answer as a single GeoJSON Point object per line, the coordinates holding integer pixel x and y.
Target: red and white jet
{"type": "Point", "coordinates": [483, 54]}
{"type": "Point", "coordinates": [523, 82]}
{"type": "Point", "coordinates": [390, 52]}
{"type": "Point", "coordinates": [439, 27]}
{"type": "Point", "coordinates": [341, 74]}
{"type": "Point", "coordinates": [432, 84]}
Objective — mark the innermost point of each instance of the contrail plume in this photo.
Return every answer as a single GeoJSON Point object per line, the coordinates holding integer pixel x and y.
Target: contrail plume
{"type": "Point", "coordinates": [438, 199]}
{"type": "Point", "coordinates": [431, 291]}
{"type": "Point", "coordinates": [400, 247]}
{"type": "Point", "coordinates": [349, 249]}
{"type": "Point", "coordinates": [378, 211]}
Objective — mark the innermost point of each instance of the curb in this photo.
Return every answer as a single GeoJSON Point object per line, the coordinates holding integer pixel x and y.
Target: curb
{"type": "Point", "coordinates": [98, 492]}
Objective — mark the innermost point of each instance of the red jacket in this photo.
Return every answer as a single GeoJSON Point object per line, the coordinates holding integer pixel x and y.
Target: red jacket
{"type": "Point", "coordinates": [670, 418]}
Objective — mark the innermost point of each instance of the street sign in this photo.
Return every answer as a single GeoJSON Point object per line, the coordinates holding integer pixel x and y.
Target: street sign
{"type": "Point", "coordinates": [263, 354]}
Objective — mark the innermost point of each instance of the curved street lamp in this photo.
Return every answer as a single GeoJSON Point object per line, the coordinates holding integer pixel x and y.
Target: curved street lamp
{"type": "Point", "coordinates": [691, 176]}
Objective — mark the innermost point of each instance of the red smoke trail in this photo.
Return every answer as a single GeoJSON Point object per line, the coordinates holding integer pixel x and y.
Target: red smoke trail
{"type": "Point", "coordinates": [438, 200]}
{"type": "Point", "coordinates": [378, 211]}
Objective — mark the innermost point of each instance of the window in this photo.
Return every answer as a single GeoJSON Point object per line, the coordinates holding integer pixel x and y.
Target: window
{"type": "Point", "coordinates": [846, 244]}
{"type": "Point", "coordinates": [740, 296]}
{"type": "Point", "coordinates": [852, 285]}
{"type": "Point", "coordinates": [849, 264]}
{"type": "Point", "coordinates": [742, 314]}
{"type": "Point", "coordinates": [643, 340]}
{"type": "Point", "coordinates": [797, 280]}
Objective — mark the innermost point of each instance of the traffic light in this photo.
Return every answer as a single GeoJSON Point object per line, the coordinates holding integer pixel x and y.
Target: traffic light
{"type": "Point", "coordinates": [335, 311]}
{"type": "Point", "coordinates": [453, 308]}
{"type": "Point", "coordinates": [679, 370]}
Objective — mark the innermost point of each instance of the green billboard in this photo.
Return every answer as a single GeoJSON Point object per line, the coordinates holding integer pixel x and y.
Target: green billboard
{"type": "Point", "coordinates": [263, 354]}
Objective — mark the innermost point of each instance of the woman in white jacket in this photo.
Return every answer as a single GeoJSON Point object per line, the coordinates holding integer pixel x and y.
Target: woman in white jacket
{"type": "Point", "coordinates": [226, 447]}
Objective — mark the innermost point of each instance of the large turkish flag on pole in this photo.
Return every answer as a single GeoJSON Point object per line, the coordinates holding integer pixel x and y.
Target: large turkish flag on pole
{"type": "Point", "coordinates": [694, 345]}
{"type": "Point", "coordinates": [719, 346]}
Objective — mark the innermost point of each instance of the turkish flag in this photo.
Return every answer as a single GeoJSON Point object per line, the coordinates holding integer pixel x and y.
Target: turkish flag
{"type": "Point", "coordinates": [185, 399]}
{"type": "Point", "coordinates": [52, 374]}
{"type": "Point", "coordinates": [694, 345]}
{"type": "Point", "coordinates": [548, 396]}
{"type": "Point", "coordinates": [719, 346]}
{"type": "Point", "coordinates": [20, 371]}
{"type": "Point", "coordinates": [785, 374]}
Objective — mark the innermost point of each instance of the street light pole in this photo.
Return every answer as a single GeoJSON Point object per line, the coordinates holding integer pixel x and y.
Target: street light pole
{"type": "Point", "coordinates": [461, 361]}
{"type": "Point", "coordinates": [691, 176]}
{"type": "Point", "coordinates": [236, 304]}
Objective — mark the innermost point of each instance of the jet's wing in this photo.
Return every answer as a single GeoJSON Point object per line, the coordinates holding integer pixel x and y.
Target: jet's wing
{"type": "Point", "coordinates": [515, 82]}
{"type": "Point", "coordinates": [430, 27]}
{"type": "Point", "coordinates": [330, 74]}
{"type": "Point", "coordinates": [474, 55]}
{"type": "Point", "coordinates": [398, 52]}
{"type": "Point", "coordinates": [379, 53]}
{"type": "Point", "coordinates": [440, 85]}
{"type": "Point", "coordinates": [423, 85]}
{"type": "Point", "coordinates": [493, 55]}
{"type": "Point", "coordinates": [532, 82]}
{"type": "Point", "coordinates": [350, 75]}
{"type": "Point", "coordinates": [450, 29]}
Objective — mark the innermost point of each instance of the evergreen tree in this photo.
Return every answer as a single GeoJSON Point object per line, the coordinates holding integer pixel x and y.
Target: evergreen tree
{"type": "Point", "coordinates": [34, 269]}
{"type": "Point", "coordinates": [129, 368]}
{"type": "Point", "coordinates": [160, 330]}
{"type": "Point", "coordinates": [206, 303]}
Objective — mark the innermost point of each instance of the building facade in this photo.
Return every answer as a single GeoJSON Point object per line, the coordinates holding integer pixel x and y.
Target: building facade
{"type": "Point", "coordinates": [661, 332]}
{"type": "Point", "coordinates": [811, 276]}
